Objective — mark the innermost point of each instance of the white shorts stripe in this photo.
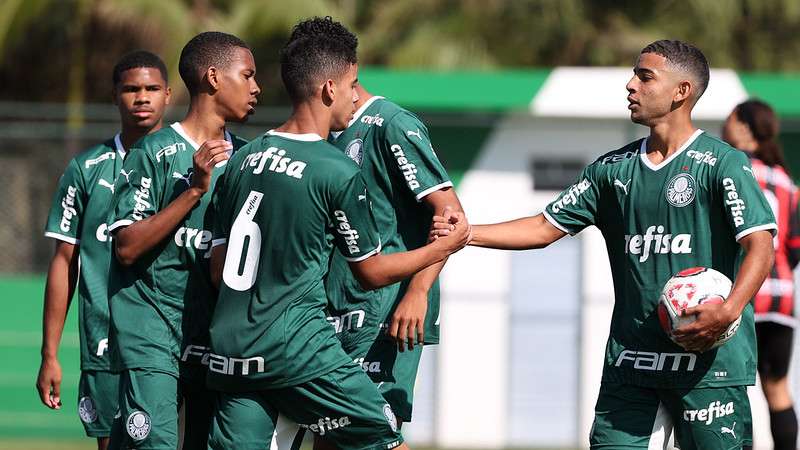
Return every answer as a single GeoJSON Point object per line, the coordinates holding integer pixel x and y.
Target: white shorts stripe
{"type": "Point", "coordinates": [662, 429]}
{"type": "Point", "coordinates": [285, 434]}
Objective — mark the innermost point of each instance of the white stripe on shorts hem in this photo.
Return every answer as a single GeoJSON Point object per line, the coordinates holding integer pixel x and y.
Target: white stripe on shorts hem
{"type": "Point", "coordinates": [662, 429]}
{"type": "Point", "coordinates": [284, 435]}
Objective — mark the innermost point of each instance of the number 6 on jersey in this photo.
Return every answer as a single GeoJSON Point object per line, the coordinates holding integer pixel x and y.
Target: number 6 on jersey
{"type": "Point", "coordinates": [244, 246]}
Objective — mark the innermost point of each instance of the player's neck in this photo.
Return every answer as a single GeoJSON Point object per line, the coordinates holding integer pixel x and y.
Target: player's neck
{"type": "Point", "coordinates": [667, 137]}
{"type": "Point", "coordinates": [307, 119]}
{"type": "Point", "coordinates": [202, 122]}
{"type": "Point", "coordinates": [130, 134]}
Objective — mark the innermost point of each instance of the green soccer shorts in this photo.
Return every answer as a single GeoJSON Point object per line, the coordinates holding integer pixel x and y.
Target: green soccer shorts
{"type": "Point", "coordinates": [394, 372]}
{"type": "Point", "coordinates": [148, 411]}
{"type": "Point", "coordinates": [629, 417]}
{"type": "Point", "coordinates": [98, 397]}
{"type": "Point", "coordinates": [342, 406]}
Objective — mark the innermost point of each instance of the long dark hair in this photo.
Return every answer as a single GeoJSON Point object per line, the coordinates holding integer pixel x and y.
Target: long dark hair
{"type": "Point", "coordinates": [764, 125]}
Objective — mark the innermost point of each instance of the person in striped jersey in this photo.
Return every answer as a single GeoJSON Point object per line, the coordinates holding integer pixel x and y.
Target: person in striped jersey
{"type": "Point", "coordinates": [753, 127]}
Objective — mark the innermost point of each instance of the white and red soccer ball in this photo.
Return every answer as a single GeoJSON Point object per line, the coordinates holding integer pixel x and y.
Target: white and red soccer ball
{"type": "Point", "coordinates": [692, 287]}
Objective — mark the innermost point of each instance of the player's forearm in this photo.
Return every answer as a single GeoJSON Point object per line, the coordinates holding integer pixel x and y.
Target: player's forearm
{"type": "Point", "coordinates": [520, 234]}
{"type": "Point", "coordinates": [61, 279]}
{"type": "Point", "coordinates": [383, 270]}
{"type": "Point", "coordinates": [140, 237]}
{"type": "Point", "coordinates": [757, 262]}
{"type": "Point", "coordinates": [424, 279]}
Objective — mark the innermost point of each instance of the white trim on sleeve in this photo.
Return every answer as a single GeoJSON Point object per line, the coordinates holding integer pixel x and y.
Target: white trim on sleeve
{"type": "Point", "coordinates": [555, 223]}
{"type": "Point", "coordinates": [366, 255]}
{"type": "Point", "coordinates": [218, 242]}
{"type": "Point", "coordinates": [119, 224]}
{"type": "Point", "coordinates": [433, 189]}
{"type": "Point", "coordinates": [61, 237]}
{"type": "Point", "coordinates": [769, 226]}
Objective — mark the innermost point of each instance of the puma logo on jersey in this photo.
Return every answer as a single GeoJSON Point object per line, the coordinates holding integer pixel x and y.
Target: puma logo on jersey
{"type": "Point", "coordinates": [279, 163]}
{"type": "Point", "coordinates": [414, 133]}
{"type": "Point", "coordinates": [724, 430]}
{"type": "Point", "coordinates": [362, 197]}
{"type": "Point", "coordinates": [187, 178]}
{"type": "Point", "coordinates": [106, 184]}
{"type": "Point", "coordinates": [99, 159]}
{"type": "Point", "coordinates": [68, 204]}
{"type": "Point", "coordinates": [127, 175]}
{"type": "Point", "coordinates": [747, 169]}
{"type": "Point", "coordinates": [621, 185]}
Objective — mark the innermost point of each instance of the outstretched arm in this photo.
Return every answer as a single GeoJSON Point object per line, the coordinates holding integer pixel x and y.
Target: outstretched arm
{"type": "Point", "coordinates": [713, 319]}
{"type": "Point", "coordinates": [520, 234]}
{"type": "Point", "coordinates": [61, 279]}
{"type": "Point", "coordinates": [382, 270]}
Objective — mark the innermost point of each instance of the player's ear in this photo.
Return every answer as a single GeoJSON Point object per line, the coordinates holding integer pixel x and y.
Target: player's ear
{"type": "Point", "coordinates": [167, 94]}
{"type": "Point", "coordinates": [114, 99]}
{"type": "Point", "coordinates": [328, 92]}
{"type": "Point", "coordinates": [683, 92]}
{"type": "Point", "coordinates": [212, 75]}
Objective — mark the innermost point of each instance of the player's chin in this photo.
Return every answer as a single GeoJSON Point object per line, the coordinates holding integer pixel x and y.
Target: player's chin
{"type": "Point", "coordinates": [145, 123]}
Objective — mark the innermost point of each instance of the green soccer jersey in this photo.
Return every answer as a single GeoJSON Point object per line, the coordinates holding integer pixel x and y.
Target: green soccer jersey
{"type": "Point", "coordinates": [400, 167]}
{"type": "Point", "coordinates": [78, 216]}
{"type": "Point", "coordinates": [161, 305]}
{"type": "Point", "coordinates": [690, 210]}
{"type": "Point", "coordinates": [285, 201]}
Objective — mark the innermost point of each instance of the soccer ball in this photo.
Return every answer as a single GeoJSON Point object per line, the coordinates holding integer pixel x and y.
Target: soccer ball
{"type": "Point", "coordinates": [692, 287]}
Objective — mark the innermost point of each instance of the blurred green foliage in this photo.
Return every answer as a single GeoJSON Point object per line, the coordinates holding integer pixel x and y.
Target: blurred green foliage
{"type": "Point", "coordinates": [63, 50]}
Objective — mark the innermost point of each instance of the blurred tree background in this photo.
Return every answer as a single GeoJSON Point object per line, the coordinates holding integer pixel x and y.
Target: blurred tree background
{"type": "Point", "coordinates": [63, 50]}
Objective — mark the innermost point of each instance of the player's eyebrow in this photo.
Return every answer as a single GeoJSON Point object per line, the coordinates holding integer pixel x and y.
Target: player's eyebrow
{"type": "Point", "coordinates": [639, 70]}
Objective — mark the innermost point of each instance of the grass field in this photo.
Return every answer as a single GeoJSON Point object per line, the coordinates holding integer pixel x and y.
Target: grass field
{"type": "Point", "coordinates": [21, 413]}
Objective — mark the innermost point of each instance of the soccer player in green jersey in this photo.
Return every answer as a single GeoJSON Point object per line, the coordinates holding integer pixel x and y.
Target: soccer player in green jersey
{"type": "Point", "coordinates": [406, 182]}
{"type": "Point", "coordinates": [160, 293]}
{"type": "Point", "coordinates": [77, 222]}
{"type": "Point", "coordinates": [285, 201]}
{"type": "Point", "coordinates": [674, 200]}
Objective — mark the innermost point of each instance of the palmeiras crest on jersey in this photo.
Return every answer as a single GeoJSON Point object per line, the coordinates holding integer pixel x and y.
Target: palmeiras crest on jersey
{"type": "Point", "coordinates": [138, 425]}
{"type": "Point", "coordinates": [390, 417]}
{"type": "Point", "coordinates": [355, 150]}
{"type": "Point", "coordinates": [87, 410]}
{"type": "Point", "coordinates": [681, 190]}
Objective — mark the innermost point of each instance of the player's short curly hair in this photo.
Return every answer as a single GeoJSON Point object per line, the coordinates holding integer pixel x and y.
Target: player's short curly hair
{"type": "Point", "coordinates": [211, 48]}
{"type": "Point", "coordinates": [318, 49]}
{"type": "Point", "coordinates": [138, 59]}
{"type": "Point", "coordinates": [683, 57]}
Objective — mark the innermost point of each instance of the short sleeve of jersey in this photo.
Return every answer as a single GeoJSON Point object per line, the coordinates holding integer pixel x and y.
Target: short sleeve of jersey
{"type": "Point", "coordinates": [415, 160]}
{"type": "Point", "coordinates": [354, 229]}
{"type": "Point", "coordinates": [743, 202]}
{"type": "Point", "coordinates": [135, 191]}
{"type": "Point", "coordinates": [66, 212]}
{"type": "Point", "coordinates": [577, 206]}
